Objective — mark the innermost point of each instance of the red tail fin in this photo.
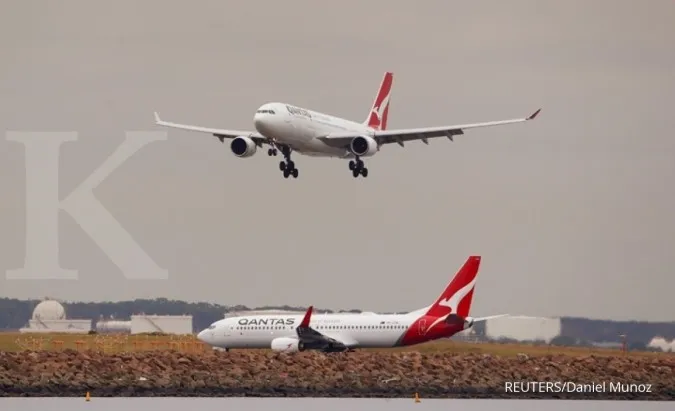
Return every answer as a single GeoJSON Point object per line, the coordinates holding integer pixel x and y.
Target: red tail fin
{"type": "Point", "coordinates": [377, 118]}
{"type": "Point", "coordinates": [457, 296]}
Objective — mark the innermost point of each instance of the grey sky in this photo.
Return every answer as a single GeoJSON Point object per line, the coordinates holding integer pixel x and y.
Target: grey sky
{"type": "Point", "coordinates": [572, 213]}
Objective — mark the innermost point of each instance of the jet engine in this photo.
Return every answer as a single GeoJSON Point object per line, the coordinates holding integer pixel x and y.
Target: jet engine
{"type": "Point", "coordinates": [243, 147]}
{"type": "Point", "coordinates": [363, 146]}
{"type": "Point", "coordinates": [287, 344]}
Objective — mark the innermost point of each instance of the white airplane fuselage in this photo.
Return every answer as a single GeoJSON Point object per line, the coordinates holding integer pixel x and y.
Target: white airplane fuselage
{"type": "Point", "coordinates": [359, 330]}
{"type": "Point", "coordinates": [299, 128]}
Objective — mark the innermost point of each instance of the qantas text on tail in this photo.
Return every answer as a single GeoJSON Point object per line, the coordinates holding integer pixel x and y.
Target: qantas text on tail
{"type": "Point", "coordinates": [341, 332]}
{"type": "Point", "coordinates": [288, 128]}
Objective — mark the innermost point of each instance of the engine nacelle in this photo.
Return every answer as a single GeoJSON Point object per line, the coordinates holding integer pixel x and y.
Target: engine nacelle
{"type": "Point", "coordinates": [243, 146]}
{"type": "Point", "coordinates": [364, 146]}
{"type": "Point", "coordinates": [287, 344]}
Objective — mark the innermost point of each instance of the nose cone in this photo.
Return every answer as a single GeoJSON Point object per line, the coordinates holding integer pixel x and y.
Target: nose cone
{"type": "Point", "coordinates": [260, 122]}
{"type": "Point", "coordinates": [204, 336]}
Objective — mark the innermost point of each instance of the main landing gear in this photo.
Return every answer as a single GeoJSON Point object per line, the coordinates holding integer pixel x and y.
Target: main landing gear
{"type": "Point", "coordinates": [288, 166]}
{"type": "Point", "coordinates": [358, 168]}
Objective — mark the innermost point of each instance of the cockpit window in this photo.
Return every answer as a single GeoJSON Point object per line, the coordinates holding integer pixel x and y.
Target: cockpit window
{"type": "Point", "coordinates": [265, 111]}
{"type": "Point", "coordinates": [212, 326]}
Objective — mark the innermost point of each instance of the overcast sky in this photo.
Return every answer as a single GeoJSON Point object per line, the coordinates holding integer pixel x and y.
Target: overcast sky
{"type": "Point", "coordinates": [573, 213]}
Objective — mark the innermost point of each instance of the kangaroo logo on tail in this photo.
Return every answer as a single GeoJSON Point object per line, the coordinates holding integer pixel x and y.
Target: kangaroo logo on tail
{"type": "Point", "coordinates": [456, 299]}
{"type": "Point", "coordinates": [377, 118]}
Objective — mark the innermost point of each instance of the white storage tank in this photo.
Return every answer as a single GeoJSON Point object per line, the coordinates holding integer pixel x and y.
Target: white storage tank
{"type": "Point", "coordinates": [49, 310]}
{"type": "Point", "coordinates": [113, 326]}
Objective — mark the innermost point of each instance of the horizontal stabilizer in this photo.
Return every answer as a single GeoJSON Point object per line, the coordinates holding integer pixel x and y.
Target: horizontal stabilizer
{"type": "Point", "coordinates": [489, 317]}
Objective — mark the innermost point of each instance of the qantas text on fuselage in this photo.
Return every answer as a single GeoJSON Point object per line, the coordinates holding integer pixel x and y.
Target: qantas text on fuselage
{"type": "Point", "coordinates": [448, 315]}
{"type": "Point", "coordinates": [287, 128]}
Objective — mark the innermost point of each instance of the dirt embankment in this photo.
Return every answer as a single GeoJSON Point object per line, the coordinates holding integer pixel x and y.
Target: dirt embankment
{"type": "Point", "coordinates": [358, 374]}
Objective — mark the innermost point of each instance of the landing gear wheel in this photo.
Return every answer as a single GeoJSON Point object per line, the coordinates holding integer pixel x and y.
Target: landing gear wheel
{"type": "Point", "coordinates": [358, 168]}
{"type": "Point", "coordinates": [287, 166]}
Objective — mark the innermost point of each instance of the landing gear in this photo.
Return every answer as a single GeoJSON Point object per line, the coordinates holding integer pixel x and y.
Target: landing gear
{"type": "Point", "coordinates": [290, 171]}
{"type": "Point", "coordinates": [272, 151]}
{"type": "Point", "coordinates": [288, 166]}
{"type": "Point", "coordinates": [358, 168]}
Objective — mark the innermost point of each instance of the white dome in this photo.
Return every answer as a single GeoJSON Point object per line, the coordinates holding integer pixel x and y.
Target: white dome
{"type": "Point", "coordinates": [49, 310]}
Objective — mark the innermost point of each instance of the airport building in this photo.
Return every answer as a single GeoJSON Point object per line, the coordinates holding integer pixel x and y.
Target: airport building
{"type": "Point", "coordinates": [142, 324]}
{"type": "Point", "coordinates": [165, 324]}
{"type": "Point", "coordinates": [522, 328]}
{"type": "Point", "coordinates": [662, 343]}
{"type": "Point", "coordinates": [49, 316]}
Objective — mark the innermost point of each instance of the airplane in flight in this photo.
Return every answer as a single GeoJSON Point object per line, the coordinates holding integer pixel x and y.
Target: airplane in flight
{"type": "Point", "coordinates": [448, 315]}
{"type": "Point", "coordinates": [287, 128]}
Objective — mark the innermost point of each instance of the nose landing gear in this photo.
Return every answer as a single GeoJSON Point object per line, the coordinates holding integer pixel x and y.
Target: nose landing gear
{"type": "Point", "coordinates": [272, 151]}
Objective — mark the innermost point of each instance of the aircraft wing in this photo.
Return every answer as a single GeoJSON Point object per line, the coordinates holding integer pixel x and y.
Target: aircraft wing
{"type": "Point", "coordinates": [220, 133]}
{"type": "Point", "coordinates": [400, 136]}
{"type": "Point", "coordinates": [314, 340]}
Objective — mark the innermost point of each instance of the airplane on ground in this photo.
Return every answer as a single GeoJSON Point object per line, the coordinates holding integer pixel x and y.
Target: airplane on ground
{"type": "Point", "coordinates": [448, 315]}
{"type": "Point", "coordinates": [287, 128]}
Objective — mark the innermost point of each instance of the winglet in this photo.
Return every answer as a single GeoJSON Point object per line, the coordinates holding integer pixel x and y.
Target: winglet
{"type": "Point", "coordinates": [308, 316]}
{"type": "Point", "coordinates": [157, 119]}
{"type": "Point", "coordinates": [533, 115]}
